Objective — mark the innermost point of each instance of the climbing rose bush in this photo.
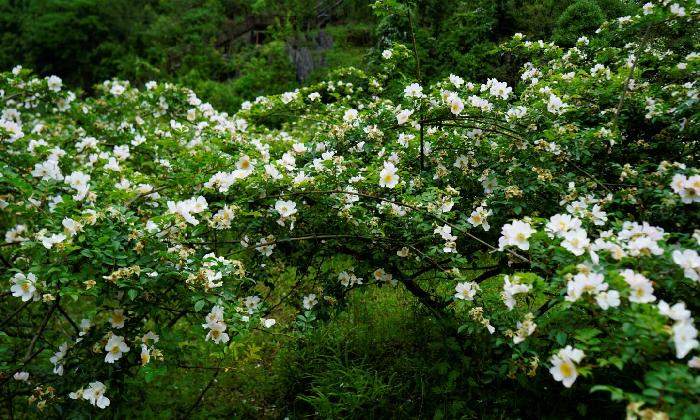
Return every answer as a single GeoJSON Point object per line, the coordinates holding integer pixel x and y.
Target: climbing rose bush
{"type": "Point", "coordinates": [555, 220]}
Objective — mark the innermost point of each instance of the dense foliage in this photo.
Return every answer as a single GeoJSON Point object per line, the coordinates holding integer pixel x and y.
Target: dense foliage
{"type": "Point", "coordinates": [547, 229]}
{"type": "Point", "coordinates": [209, 45]}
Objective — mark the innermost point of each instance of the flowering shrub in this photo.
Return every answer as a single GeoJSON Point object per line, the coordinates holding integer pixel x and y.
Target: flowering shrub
{"type": "Point", "coordinates": [556, 219]}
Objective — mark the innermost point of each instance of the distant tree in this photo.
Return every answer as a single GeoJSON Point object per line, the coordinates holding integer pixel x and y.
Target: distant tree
{"type": "Point", "coordinates": [581, 18]}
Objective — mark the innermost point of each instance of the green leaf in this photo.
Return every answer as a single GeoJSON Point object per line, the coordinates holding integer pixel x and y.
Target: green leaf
{"type": "Point", "coordinates": [199, 305]}
{"type": "Point", "coordinates": [616, 394]}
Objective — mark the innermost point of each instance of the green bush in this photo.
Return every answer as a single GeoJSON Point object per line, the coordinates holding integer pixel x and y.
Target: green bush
{"type": "Point", "coordinates": [581, 18]}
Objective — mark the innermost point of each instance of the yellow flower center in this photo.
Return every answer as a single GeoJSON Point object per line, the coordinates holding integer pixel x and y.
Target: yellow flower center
{"type": "Point", "coordinates": [566, 369]}
{"type": "Point", "coordinates": [115, 350]}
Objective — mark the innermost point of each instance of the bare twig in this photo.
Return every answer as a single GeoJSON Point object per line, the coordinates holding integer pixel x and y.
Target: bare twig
{"type": "Point", "coordinates": [70, 320]}
{"type": "Point", "coordinates": [415, 45]}
{"type": "Point", "coordinates": [12, 315]}
{"type": "Point", "coordinates": [204, 391]}
{"type": "Point", "coordinates": [41, 329]}
{"type": "Point", "coordinates": [412, 207]}
{"type": "Point", "coordinates": [588, 174]}
{"type": "Point", "coordinates": [24, 363]}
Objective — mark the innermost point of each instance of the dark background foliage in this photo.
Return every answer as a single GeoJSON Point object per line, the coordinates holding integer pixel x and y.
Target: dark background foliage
{"type": "Point", "coordinates": [232, 50]}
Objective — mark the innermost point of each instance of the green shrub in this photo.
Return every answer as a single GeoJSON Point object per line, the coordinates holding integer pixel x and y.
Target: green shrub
{"type": "Point", "coordinates": [581, 18]}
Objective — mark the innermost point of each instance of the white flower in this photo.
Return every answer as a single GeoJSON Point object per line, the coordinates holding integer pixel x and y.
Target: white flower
{"type": "Point", "coordinates": [54, 83]}
{"type": "Point", "coordinates": [48, 170]}
{"type": "Point", "coordinates": [264, 245]}
{"type": "Point", "coordinates": [95, 394]}
{"type": "Point", "coordinates": [405, 138]}
{"type": "Point", "coordinates": [516, 234]}
{"type": "Point", "coordinates": [525, 329]}
{"type": "Point", "coordinates": [388, 177]}
{"type": "Point", "coordinates": [70, 226]}
{"type": "Point", "coordinates": [117, 319]}
{"type": "Point", "coordinates": [79, 181]}
{"type": "Point", "coordinates": [590, 283]}
{"type": "Point", "coordinates": [479, 218]}
{"type": "Point", "coordinates": [286, 208]}
{"type": "Point", "coordinates": [150, 336]}
{"type": "Point", "coordinates": [15, 234]}
{"type": "Point", "coordinates": [556, 105]}
{"type": "Point", "coordinates": [648, 8]}
{"type": "Point", "coordinates": [403, 252]}
{"type": "Point", "coordinates": [576, 241]}
{"type": "Point", "coordinates": [677, 10]}
{"type": "Point", "coordinates": [510, 289]}
{"type": "Point", "coordinates": [516, 113]}
{"type": "Point", "coordinates": [559, 224]}
{"type": "Point", "coordinates": [456, 80]}
{"type": "Point", "coordinates": [49, 241]}
{"type": "Point", "coordinates": [386, 54]}
{"type": "Point", "coordinates": [466, 290]}
{"type": "Point", "coordinates": [677, 312]}
{"type": "Point", "coordinates": [350, 115]}
{"type": "Point", "coordinates": [115, 348]}
{"type": "Point", "coordinates": [687, 188]}
{"type": "Point", "coordinates": [21, 376]}
{"type": "Point", "coordinates": [24, 286]}
{"type": "Point", "coordinates": [609, 299]}
{"type": "Point", "coordinates": [450, 240]}
{"type": "Point", "coordinates": [117, 89]}
{"type": "Point", "coordinates": [310, 301]}
{"type": "Point", "coordinates": [403, 116]}
{"type": "Point", "coordinates": [381, 275]}
{"type": "Point", "coordinates": [564, 365]}
{"type": "Point", "coordinates": [288, 97]}
{"type": "Point", "coordinates": [497, 89]}
{"type": "Point", "coordinates": [414, 90]}
{"type": "Point", "coordinates": [252, 303]}
{"type": "Point", "coordinates": [145, 355]}
{"type": "Point", "coordinates": [445, 231]}
{"type": "Point", "coordinates": [641, 290]}
{"type": "Point", "coordinates": [456, 105]}
{"type": "Point", "coordinates": [685, 338]}
{"type": "Point", "coordinates": [185, 208]}
{"type": "Point", "coordinates": [216, 332]}
{"type": "Point", "coordinates": [121, 152]}
{"type": "Point", "coordinates": [57, 357]}
{"type": "Point", "coordinates": [694, 362]}
{"type": "Point", "coordinates": [348, 279]}
{"type": "Point", "coordinates": [267, 322]}
{"type": "Point", "coordinates": [152, 227]}
{"type": "Point", "coordinates": [600, 70]}
{"type": "Point", "coordinates": [689, 261]}
{"type": "Point", "coordinates": [244, 166]}
{"type": "Point", "coordinates": [222, 181]}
